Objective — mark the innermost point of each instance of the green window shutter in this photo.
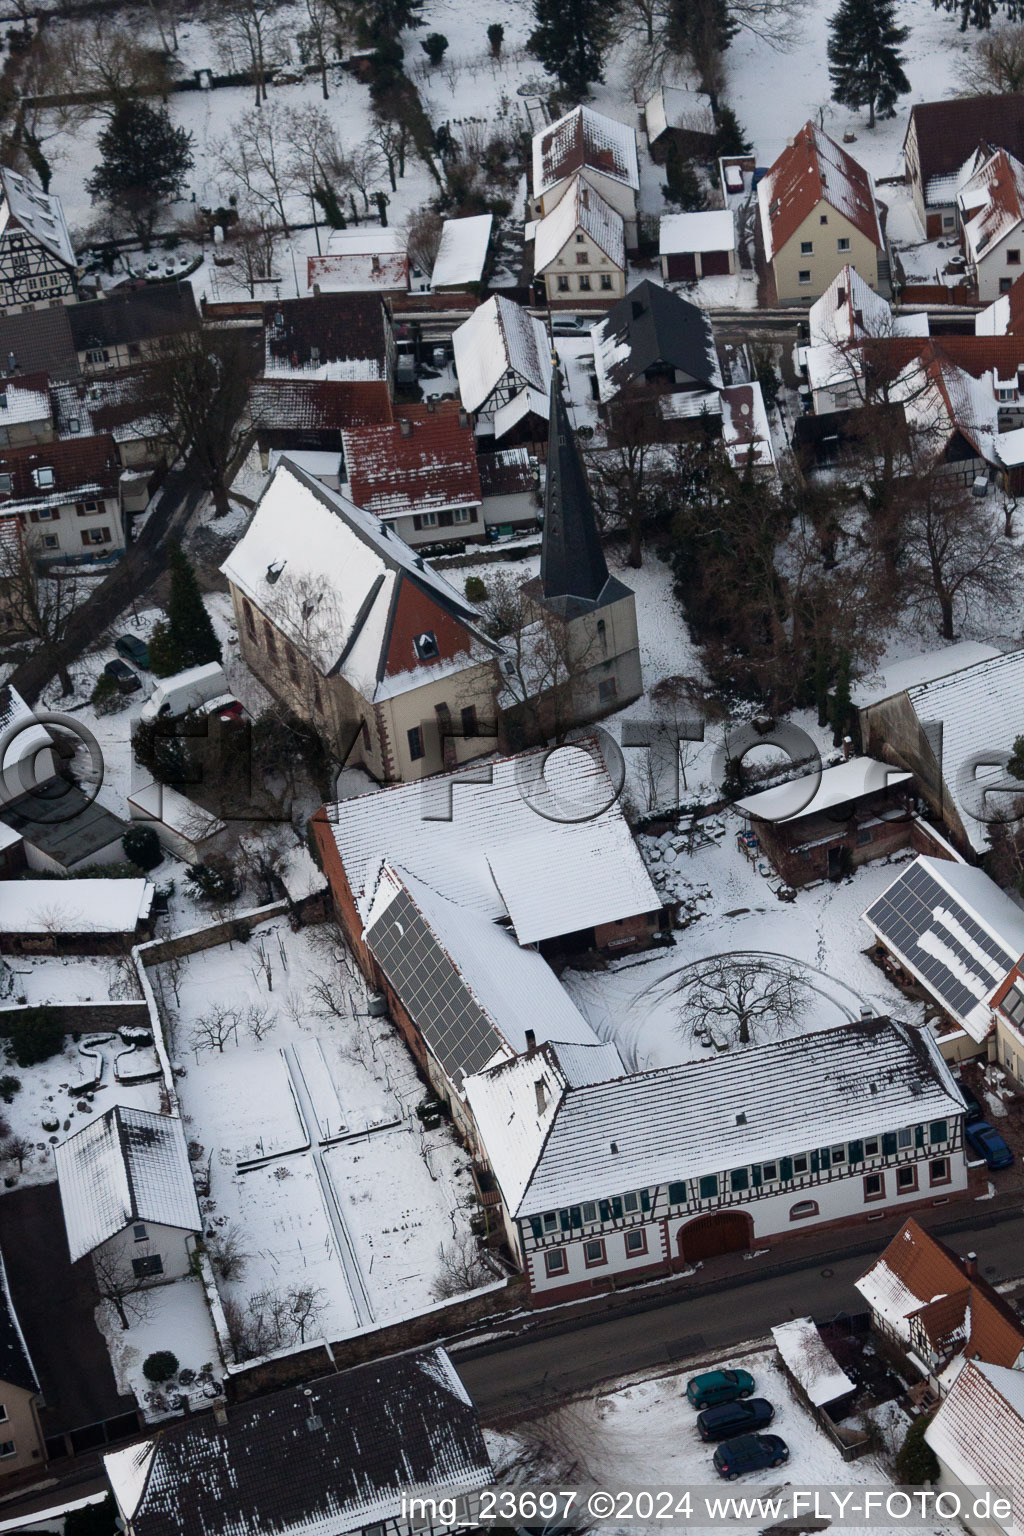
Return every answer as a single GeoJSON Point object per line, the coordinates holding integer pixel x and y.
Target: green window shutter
{"type": "Point", "coordinates": [755, 1175]}
{"type": "Point", "coordinates": [575, 1216]}
{"type": "Point", "coordinates": [709, 1186]}
{"type": "Point", "coordinates": [563, 1220]}
{"type": "Point", "coordinates": [677, 1194]}
{"type": "Point", "coordinates": [815, 1162]}
{"type": "Point", "coordinates": [918, 1135]}
{"type": "Point", "coordinates": [825, 1157]}
{"type": "Point", "coordinates": [538, 1230]}
{"type": "Point", "coordinates": [938, 1131]}
{"type": "Point", "coordinates": [856, 1151]}
{"type": "Point", "coordinates": [889, 1143]}
{"type": "Point", "coordinates": [605, 1209]}
{"type": "Point", "coordinates": [616, 1206]}
{"type": "Point", "coordinates": [739, 1178]}
{"type": "Point", "coordinates": [785, 1168]}
{"type": "Point", "coordinates": [645, 1199]}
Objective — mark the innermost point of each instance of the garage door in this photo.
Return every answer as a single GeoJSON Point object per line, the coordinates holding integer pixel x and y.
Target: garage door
{"type": "Point", "coordinates": [682, 268]}
{"type": "Point", "coordinates": [715, 263]}
{"type": "Point", "coordinates": [708, 1236]}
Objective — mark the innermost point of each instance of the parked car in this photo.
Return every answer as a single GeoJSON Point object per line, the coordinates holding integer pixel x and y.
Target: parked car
{"type": "Point", "coordinates": [749, 1453]}
{"type": "Point", "coordinates": [131, 648]}
{"type": "Point", "coordinates": [988, 1143]}
{"type": "Point", "coordinates": [734, 1419]}
{"type": "Point", "coordinates": [716, 1387]}
{"type": "Point", "coordinates": [127, 681]}
{"type": "Point", "coordinates": [975, 1108]}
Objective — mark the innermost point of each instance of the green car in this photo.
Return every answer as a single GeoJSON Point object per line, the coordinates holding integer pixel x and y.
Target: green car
{"type": "Point", "coordinates": [132, 649]}
{"type": "Point", "coordinates": [716, 1387]}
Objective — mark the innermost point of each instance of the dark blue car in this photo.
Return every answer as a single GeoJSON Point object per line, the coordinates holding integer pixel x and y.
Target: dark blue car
{"type": "Point", "coordinates": [749, 1453]}
{"type": "Point", "coordinates": [735, 1419]}
{"type": "Point", "coordinates": [975, 1110]}
{"type": "Point", "coordinates": [988, 1143]}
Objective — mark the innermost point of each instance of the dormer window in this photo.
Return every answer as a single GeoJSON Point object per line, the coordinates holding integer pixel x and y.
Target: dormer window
{"type": "Point", "coordinates": [426, 645]}
{"type": "Point", "coordinates": [43, 477]}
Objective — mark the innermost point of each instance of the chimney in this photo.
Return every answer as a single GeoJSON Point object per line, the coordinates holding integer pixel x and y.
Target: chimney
{"type": "Point", "coordinates": [405, 426]}
{"type": "Point", "coordinates": [541, 1090]}
{"type": "Point", "coordinates": [531, 1041]}
{"type": "Point", "coordinates": [430, 407]}
{"type": "Point", "coordinates": [463, 418]}
{"type": "Point", "coordinates": [971, 1266]}
{"type": "Point", "coordinates": [615, 1146]}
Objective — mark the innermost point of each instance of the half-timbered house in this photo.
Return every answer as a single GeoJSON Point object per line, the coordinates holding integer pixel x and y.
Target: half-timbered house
{"type": "Point", "coordinates": [37, 259]}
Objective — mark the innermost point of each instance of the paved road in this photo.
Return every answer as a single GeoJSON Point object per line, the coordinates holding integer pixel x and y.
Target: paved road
{"type": "Point", "coordinates": [508, 1379]}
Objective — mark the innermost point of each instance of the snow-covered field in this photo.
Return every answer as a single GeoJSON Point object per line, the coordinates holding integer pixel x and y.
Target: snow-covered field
{"type": "Point", "coordinates": [350, 1196]}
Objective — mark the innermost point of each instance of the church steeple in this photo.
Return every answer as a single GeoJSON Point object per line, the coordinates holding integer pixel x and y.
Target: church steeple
{"type": "Point", "coordinates": [572, 565]}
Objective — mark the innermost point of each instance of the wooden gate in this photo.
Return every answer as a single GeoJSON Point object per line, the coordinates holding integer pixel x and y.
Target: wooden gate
{"type": "Point", "coordinates": [721, 1232]}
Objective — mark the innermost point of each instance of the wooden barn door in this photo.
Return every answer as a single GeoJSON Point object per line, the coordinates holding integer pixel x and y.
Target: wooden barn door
{"type": "Point", "coordinates": [721, 1232]}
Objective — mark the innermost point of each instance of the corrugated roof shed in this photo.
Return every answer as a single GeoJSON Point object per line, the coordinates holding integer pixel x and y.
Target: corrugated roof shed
{"type": "Point", "coordinates": [127, 1165]}
{"type": "Point", "coordinates": [326, 1459]}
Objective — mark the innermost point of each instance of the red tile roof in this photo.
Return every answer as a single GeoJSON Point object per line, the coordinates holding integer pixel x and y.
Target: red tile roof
{"type": "Point", "coordinates": [976, 355]}
{"type": "Point", "coordinates": [319, 404]}
{"type": "Point", "coordinates": [814, 169]}
{"type": "Point", "coordinates": [80, 466]}
{"type": "Point", "coordinates": [948, 131]}
{"type": "Point", "coordinates": [992, 203]}
{"type": "Point", "coordinates": [432, 465]}
{"type": "Point", "coordinates": [337, 327]}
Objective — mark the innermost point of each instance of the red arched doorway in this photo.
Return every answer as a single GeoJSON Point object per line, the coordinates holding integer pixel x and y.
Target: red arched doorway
{"type": "Point", "coordinates": [720, 1232]}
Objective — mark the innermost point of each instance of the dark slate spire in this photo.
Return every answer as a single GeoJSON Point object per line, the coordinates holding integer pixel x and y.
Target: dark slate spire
{"type": "Point", "coordinates": [572, 564]}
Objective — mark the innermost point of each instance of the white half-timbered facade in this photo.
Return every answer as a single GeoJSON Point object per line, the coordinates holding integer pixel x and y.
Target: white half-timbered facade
{"type": "Point", "coordinates": [503, 365]}
{"type": "Point", "coordinates": [37, 260]}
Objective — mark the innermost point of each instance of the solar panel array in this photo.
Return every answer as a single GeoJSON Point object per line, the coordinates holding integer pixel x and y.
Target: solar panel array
{"type": "Point", "coordinates": [906, 911]}
{"type": "Point", "coordinates": [437, 999]}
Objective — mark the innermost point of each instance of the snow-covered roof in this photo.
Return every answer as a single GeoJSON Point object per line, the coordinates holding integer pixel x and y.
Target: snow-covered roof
{"type": "Point", "coordinates": [653, 328]}
{"type": "Point", "coordinates": [991, 204]}
{"type": "Point", "coordinates": [582, 139]}
{"type": "Point", "coordinates": [37, 211]}
{"type": "Point", "coordinates": [73, 906]}
{"type": "Point", "coordinates": [813, 169]}
{"type": "Point", "coordinates": [746, 435]}
{"type": "Point", "coordinates": [913, 670]}
{"type": "Point", "coordinates": [412, 466]}
{"type": "Point", "coordinates": [499, 338]}
{"type": "Point", "coordinates": [127, 1165]}
{"type": "Point", "coordinates": [360, 260]}
{"type": "Point", "coordinates": [328, 574]}
{"type": "Point", "coordinates": [672, 107]}
{"type": "Point", "coordinates": [470, 989]}
{"type": "Point", "coordinates": [24, 399]}
{"type": "Point", "coordinates": [810, 795]}
{"type": "Point", "coordinates": [738, 1108]}
{"type": "Point", "coordinates": [850, 309]}
{"type": "Point", "coordinates": [318, 462]}
{"type": "Point", "coordinates": [1005, 316]}
{"type": "Point", "coordinates": [980, 707]}
{"type": "Point", "coordinates": [526, 402]}
{"type": "Point", "coordinates": [16, 1365]}
{"type": "Point", "coordinates": [686, 232]}
{"type": "Point", "coordinates": [580, 207]}
{"type": "Point", "coordinates": [810, 1361]}
{"type": "Point", "coordinates": [159, 802]}
{"type": "Point", "coordinates": [955, 930]}
{"type": "Point", "coordinates": [462, 252]}
{"type": "Point", "coordinates": [337, 1455]}
{"type": "Point", "coordinates": [24, 738]}
{"type": "Point", "coordinates": [457, 830]}
{"type": "Point", "coordinates": [978, 1433]}
{"type": "Point", "coordinates": [939, 398]}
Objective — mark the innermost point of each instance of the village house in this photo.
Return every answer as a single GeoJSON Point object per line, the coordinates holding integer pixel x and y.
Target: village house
{"type": "Point", "coordinates": [510, 490]}
{"type": "Point", "coordinates": [356, 1445]}
{"type": "Point", "coordinates": [74, 917]}
{"type": "Point", "coordinates": [696, 245]}
{"type": "Point", "coordinates": [38, 267]}
{"type": "Point", "coordinates": [602, 151]}
{"type": "Point", "coordinates": [117, 405]}
{"type": "Point", "coordinates": [1005, 315]}
{"type": "Point", "coordinates": [679, 121]}
{"type": "Point", "coordinates": [948, 718]}
{"type": "Point", "coordinates": [608, 1181]}
{"type": "Point", "coordinates": [503, 364]}
{"type": "Point", "coordinates": [579, 247]}
{"type": "Point", "coordinates": [311, 414]}
{"type": "Point", "coordinates": [335, 336]}
{"type": "Point", "coordinates": [822, 826]}
{"type": "Point", "coordinates": [978, 1440]}
{"type": "Point", "coordinates": [131, 327]}
{"type": "Point", "coordinates": [654, 340]}
{"type": "Point", "coordinates": [353, 631]}
{"type": "Point", "coordinates": [463, 254]}
{"type": "Point", "coordinates": [941, 149]}
{"type": "Point", "coordinates": [419, 475]}
{"type": "Point", "coordinates": [948, 928]}
{"type": "Point", "coordinates": [38, 341]}
{"type": "Point", "coordinates": [67, 496]}
{"type": "Point", "coordinates": [127, 1194]}
{"type": "Point", "coordinates": [848, 330]}
{"type": "Point", "coordinates": [952, 419]}
{"type": "Point", "coordinates": [935, 1311]}
{"type": "Point", "coordinates": [818, 214]}
{"type": "Point", "coordinates": [22, 1446]}
{"type": "Point", "coordinates": [365, 259]}
{"type": "Point", "coordinates": [991, 208]}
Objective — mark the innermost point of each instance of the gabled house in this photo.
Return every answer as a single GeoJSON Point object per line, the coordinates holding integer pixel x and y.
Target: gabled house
{"type": "Point", "coordinates": [991, 206]}
{"type": "Point", "coordinates": [343, 1456]}
{"type": "Point", "coordinates": [366, 259]}
{"type": "Point", "coordinates": [336, 336]}
{"type": "Point", "coordinates": [22, 1444]}
{"type": "Point", "coordinates": [952, 418]}
{"type": "Point", "coordinates": [419, 475]}
{"type": "Point", "coordinates": [818, 214]}
{"type": "Point", "coordinates": [67, 496]}
{"type": "Point", "coordinates": [131, 327]}
{"type": "Point", "coordinates": [848, 331]}
{"type": "Point", "coordinates": [941, 149]}
{"type": "Point", "coordinates": [116, 404]}
{"type": "Point", "coordinates": [127, 1193]}
{"type": "Point", "coordinates": [579, 248]}
{"type": "Point", "coordinates": [602, 151]}
{"type": "Point", "coordinates": [503, 363]}
{"type": "Point", "coordinates": [351, 629]}
{"type": "Point", "coordinates": [312, 413]}
{"type": "Point", "coordinates": [653, 338]}
{"type": "Point", "coordinates": [935, 1310]}
{"type": "Point", "coordinates": [603, 1179]}
{"type": "Point", "coordinates": [38, 267]}
{"type": "Point", "coordinates": [947, 927]}
{"type": "Point", "coordinates": [1005, 315]}
{"type": "Point", "coordinates": [978, 1440]}
{"type": "Point", "coordinates": [696, 245]}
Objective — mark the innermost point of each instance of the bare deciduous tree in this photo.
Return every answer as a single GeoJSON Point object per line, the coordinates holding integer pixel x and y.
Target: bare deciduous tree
{"type": "Point", "coordinates": [253, 244]}
{"type": "Point", "coordinates": [957, 556]}
{"type": "Point", "coordinates": [272, 1319]}
{"type": "Point", "coordinates": [117, 1283]}
{"type": "Point", "coordinates": [41, 605]}
{"type": "Point", "coordinates": [316, 38]}
{"type": "Point", "coordinates": [545, 661]}
{"type": "Point", "coordinates": [463, 1266]}
{"type": "Point", "coordinates": [256, 154]}
{"type": "Point", "coordinates": [996, 66]}
{"type": "Point", "coordinates": [198, 392]}
{"type": "Point", "coordinates": [102, 58]}
{"type": "Point", "coordinates": [17, 1148]}
{"type": "Point", "coordinates": [250, 30]}
{"type": "Point", "coordinates": [259, 1020]}
{"type": "Point", "coordinates": [227, 1254]}
{"type": "Point", "coordinates": [214, 1029]}
{"type": "Point", "coordinates": [423, 237]}
{"type": "Point", "coordinates": [622, 475]}
{"type": "Point", "coordinates": [747, 1000]}
{"type": "Point", "coordinates": [363, 167]}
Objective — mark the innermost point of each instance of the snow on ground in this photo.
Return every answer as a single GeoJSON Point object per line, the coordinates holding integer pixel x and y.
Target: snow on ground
{"type": "Point", "coordinates": [37, 979]}
{"type": "Point", "coordinates": [176, 1319]}
{"type": "Point", "coordinates": [361, 1219]}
